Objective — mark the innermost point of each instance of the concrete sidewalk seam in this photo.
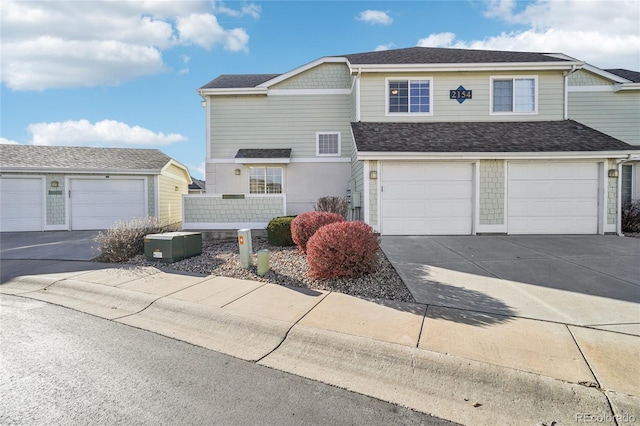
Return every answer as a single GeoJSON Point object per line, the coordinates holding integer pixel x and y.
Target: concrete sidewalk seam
{"type": "Point", "coordinates": [424, 317]}
{"type": "Point", "coordinates": [286, 335]}
{"type": "Point", "coordinates": [567, 259]}
{"type": "Point", "coordinates": [593, 373]}
{"type": "Point", "coordinates": [243, 295]}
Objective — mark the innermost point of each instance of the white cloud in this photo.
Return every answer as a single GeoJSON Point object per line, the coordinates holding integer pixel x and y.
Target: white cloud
{"type": "Point", "coordinates": [375, 17]}
{"type": "Point", "coordinates": [59, 44]}
{"type": "Point", "coordinates": [5, 141]}
{"type": "Point", "coordinates": [387, 46]}
{"type": "Point", "coordinates": [603, 33]}
{"type": "Point", "coordinates": [109, 133]}
{"type": "Point", "coordinates": [198, 171]}
{"type": "Point", "coordinates": [252, 10]}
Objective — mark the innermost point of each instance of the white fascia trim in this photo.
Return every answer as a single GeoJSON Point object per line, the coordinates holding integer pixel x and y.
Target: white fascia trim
{"type": "Point", "coordinates": [184, 168]}
{"type": "Point", "coordinates": [421, 156]}
{"type": "Point", "coordinates": [233, 91]}
{"type": "Point", "coordinates": [605, 74]}
{"type": "Point", "coordinates": [603, 88]}
{"type": "Point", "coordinates": [224, 225]}
{"type": "Point", "coordinates": [79, 171]}
{"type": "Point", "coordinates": [262, 160]}
{"type": "Point", "coordinates": [291, 160]}
{"type": "Point", "coordinates": [627, 86]}
{"type": "Point", "coordinates": [511, 66]}
{"type": "Point", "coordinates": [308, 92]}
{"type": "Point", "coordinates": [301, 69]}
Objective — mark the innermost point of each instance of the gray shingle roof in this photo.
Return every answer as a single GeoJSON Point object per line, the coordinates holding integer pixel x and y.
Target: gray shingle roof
{"type": "Point", "coordinates": [529, 136]}
{"type": "Point", "coordinates": [633, 76]}
{"type": "Point", "coordinates": [234, 81]}
{"type": "Point", "coordinates": [81, 158]}
{"type": "Point", "coordinates": [197, 183]}
{"type": "Point", "coordinates": [438, 55]}
{"type": "Point", "coordinates": [264, 153]}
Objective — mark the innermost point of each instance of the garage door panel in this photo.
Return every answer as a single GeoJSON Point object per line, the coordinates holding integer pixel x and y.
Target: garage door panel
{"type": "Point", "coordinates": [553, 198]}
{"type": "Point", "coordinates": [22, 206]}
{"type": "Point", "coordinates": [99, 203]}
{"type": "Point", "coordinates": [426, 198]}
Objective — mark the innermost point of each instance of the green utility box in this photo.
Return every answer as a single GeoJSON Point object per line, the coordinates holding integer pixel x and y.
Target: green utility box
{"type": "Point", "coordinates": [172, 246]}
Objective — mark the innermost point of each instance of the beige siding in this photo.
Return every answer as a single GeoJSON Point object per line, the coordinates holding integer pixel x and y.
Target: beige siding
{"type": "Point", "coordinates": [614, 113]}
{"type": "Point", "coordinates": [325, 76]}
{"type": "Point", "coordinates": [172, 184]}
{"type": "Point", "coordinates": [278, 122]}
{"type": "Point", "coordinates": [550, 97]}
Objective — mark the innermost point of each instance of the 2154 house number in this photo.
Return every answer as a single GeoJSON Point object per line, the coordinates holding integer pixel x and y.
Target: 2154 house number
{"type": "Point", "coordinates": [460, 94]}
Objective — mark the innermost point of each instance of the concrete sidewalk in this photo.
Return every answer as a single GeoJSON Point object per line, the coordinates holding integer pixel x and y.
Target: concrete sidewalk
{"type": "Point", "coordinates": [463, 365]}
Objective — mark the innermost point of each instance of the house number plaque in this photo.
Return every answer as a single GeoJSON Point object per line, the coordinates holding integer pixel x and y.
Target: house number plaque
{"type": "Point", "coordinates": [460, 94]}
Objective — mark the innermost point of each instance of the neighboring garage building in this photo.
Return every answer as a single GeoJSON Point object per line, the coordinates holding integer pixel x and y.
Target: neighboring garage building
{"type": "Point", "coordinates": [45, 188]}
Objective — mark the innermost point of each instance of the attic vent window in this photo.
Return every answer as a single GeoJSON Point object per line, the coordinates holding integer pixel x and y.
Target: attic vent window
{"type": "Point", "coordinates": [328, 144]}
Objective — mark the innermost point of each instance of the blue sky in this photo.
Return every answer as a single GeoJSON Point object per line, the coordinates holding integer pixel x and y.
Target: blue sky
{"type": "Point", "coordinates": [126, 73]}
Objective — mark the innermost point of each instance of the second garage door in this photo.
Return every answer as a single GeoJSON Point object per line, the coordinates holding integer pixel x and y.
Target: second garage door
{"type": "Point", "coordinates": [21, 204]}
{"type": "Point", "coordinates": [421, 198]}
{"type": "Point", "coordinates": [99, 203]}
{"type": "Point", "coordinates": [553, 198]}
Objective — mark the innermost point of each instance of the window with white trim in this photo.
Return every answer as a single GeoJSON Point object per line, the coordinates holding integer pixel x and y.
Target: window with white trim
{"type": "Point", "coordinates": [409, 96]}
{"type": "Point", "coordinates": [514, 95]}
{"type": "Point", "coordinates": [265, 180]}
{"type": "Point", "coordinates": [328, 143]}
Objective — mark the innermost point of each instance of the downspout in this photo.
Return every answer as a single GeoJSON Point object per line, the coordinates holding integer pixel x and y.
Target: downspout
{"type": "Point", "coordinates": [619, 164]}
{"type": "Point", "coordinates": [574, 68]}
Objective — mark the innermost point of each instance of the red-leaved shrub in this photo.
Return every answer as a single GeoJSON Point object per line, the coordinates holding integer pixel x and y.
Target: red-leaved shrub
{"type": "Point", "coordinates": [306, 224]}
{"type": "Point", "coordinates": [343, 249]}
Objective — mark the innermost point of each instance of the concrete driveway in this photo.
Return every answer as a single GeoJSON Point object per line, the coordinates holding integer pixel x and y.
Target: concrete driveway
{"type": "Point", "coordinates": [589, 281]}
{"type": "Point", "coordinates": [46, 252]}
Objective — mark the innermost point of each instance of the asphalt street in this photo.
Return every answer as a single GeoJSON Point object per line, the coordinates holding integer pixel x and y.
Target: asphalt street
{"type": "Point", "coordinates": [60, 366]}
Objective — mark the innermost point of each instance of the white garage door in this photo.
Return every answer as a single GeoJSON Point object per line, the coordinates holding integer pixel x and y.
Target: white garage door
{"type": "Point", "coordinates": [421, 198]}
{"type": "Point", "coordinates": [553, 198]}
{"type": "Point", "coordinates": [21, 204]}
{"type": "Point", "coordinates": [99, 203]}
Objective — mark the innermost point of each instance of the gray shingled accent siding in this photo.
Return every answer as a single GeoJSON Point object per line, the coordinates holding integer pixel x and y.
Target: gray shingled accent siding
{"type": "Point", "coordinates": [151, 196]}
{"type": "Point", "coordinates": [56, 213]}
{"type": "Point", "coordinates": [215, 209]}
{"type": "Point", "coordinates": [585, 78]}
{"type": "Point", "coordinates": [492, 192]}
{"type": "Point", "coordinates": [325, 76]}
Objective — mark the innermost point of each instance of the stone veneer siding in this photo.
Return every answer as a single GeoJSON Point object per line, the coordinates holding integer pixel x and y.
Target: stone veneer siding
{"type": "Point", "coordinates": [56, 213]}
{"type": "Point", "coordinates": [492, 192]}
{"type": "Point", "coordinates": [373, 195]}
{"type": "Point", "coordinates": [612, 196]}
{"type": "Point", "coordinates": [214, 209]}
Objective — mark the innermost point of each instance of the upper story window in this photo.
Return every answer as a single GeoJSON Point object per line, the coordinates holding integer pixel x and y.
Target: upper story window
{"type": "Point", "coordinates": [514, 95]}
{"type": "Point", "coordinates": [409, 96]}
{"type": "Point", "coordinates": [265, 180]}
{"type": "Point", "coordinates": [328, 143]}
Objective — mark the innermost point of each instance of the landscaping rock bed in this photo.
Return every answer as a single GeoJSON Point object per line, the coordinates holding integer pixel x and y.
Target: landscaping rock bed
{"type": "Point", "coordinates": [288, 267]}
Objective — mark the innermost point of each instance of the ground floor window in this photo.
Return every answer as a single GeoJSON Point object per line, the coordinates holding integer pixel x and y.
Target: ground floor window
{"type": "Point", "coordinates": [265, 180]}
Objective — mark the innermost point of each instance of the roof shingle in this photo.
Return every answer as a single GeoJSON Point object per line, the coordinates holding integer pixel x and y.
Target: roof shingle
{"type": "Point", "coordinates": [234, 81]}
{"type": "Point", "coordinates": [633, 76]}
{"type": "Point", "coordinates": [450, 137]}
{"type": "Point", "coordinates": [81, 158]}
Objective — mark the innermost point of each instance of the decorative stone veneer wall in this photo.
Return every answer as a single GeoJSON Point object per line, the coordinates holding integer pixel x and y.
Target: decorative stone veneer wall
{"type": "Point", "coordinates": [151, 195]}
{"type": "Point", "coordinates": [327, 76]}
{"type": "Point", "coordinates": [492, 192]}
{"type": "Point", "coordinates": [214, 209]}
{"type": "Point", "coordinates": [373, 195]}
{"type": "Point", "coordinates": [612, 196]}
{"type": "Point", "coordinates": [56, 213]}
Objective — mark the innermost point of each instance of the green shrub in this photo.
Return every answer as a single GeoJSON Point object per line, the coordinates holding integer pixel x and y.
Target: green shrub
{"type": "Point", "coordinates": [343, 249]}
{"type": "Point", "coordinates": [279, 231]}
{"type": "Point", "coordinates": [332, 204]}
{"type": "Point", "coordinates": [125, 239]}
{"type": "Point", "coordinates": [306, 224]}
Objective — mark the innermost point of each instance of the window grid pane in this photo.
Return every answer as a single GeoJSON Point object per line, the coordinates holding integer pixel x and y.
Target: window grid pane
{"type": "Point", "coordinates": [328, 144]}
{"type": "Point", "coordinates": [257, 180]}
{"type": "Point", "coordinates": [398, 96]}
{"type": "Point", "coordinates": [502, 95]}
{"type": "Point", "coordinates": [419, 95]}
{"type": "Point", "coordinates": [524, 95]}
{"type": "Point", "coordinates": [274, 180]}
{"type": "Point", "coordinates": [265, 180]}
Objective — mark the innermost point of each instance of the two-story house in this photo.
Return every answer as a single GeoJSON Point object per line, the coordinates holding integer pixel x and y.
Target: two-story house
{"type": "Point", "coordinates": [425, 141]}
